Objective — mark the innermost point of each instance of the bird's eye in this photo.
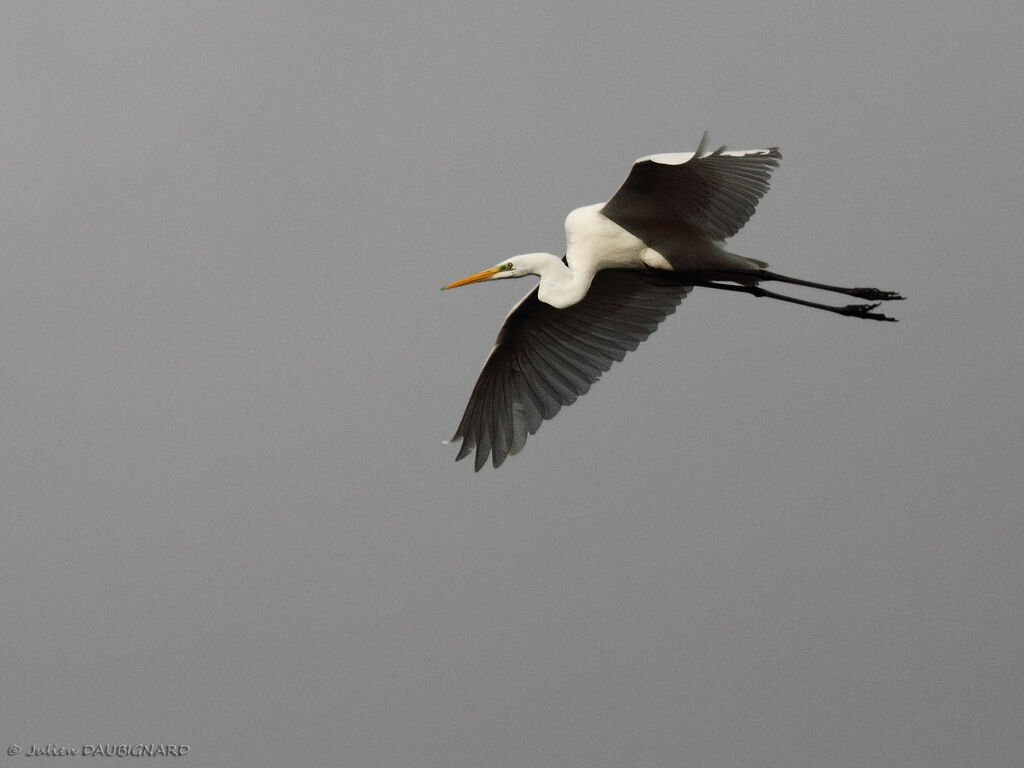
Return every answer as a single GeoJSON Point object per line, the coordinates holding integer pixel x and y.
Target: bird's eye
{"type": "Point", "coordinates": [508, 266]}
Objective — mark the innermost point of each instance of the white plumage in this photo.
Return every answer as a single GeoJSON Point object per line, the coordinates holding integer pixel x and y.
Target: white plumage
{"type": "Point", "coordinates": [628, 263]}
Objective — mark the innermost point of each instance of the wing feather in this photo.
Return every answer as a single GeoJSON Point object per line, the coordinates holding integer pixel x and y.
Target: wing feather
{"type": "Point", "coordinates": [710, 196]}
{"type": "Point", "coordinates": [544, 358]}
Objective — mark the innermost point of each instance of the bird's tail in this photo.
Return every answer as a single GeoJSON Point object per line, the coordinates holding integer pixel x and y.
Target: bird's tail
{"type": "Point", "coordinates": [746, 263]}
{"type": "Point", "coordinates": [733, 268]}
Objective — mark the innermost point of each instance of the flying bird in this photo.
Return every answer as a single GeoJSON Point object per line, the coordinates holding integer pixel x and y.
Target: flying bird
{"type": "Point", "coordinates": [628, 263]}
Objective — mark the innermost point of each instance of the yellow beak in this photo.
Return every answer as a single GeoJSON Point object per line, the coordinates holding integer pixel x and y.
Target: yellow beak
{"type": "Point", "coordinates": [487, 274]}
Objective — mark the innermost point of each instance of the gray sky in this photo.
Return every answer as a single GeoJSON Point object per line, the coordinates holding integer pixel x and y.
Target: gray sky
{"type": "Point", "coordinates": [770, 537]}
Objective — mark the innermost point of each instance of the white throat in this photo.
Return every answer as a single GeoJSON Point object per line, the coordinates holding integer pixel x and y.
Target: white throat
{"type": "Point", "coordinates": [560, 286]}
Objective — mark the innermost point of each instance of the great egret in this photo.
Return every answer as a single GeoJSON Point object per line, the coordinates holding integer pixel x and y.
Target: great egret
{"type": "Point", "coordinates": [627, 265]}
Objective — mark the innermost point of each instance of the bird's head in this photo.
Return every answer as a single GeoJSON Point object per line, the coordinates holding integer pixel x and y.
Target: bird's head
{"type": "Point", "coordinates": [517, 266]}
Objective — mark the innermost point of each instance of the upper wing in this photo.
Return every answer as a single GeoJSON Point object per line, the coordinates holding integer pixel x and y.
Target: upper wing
{"type": "Point", "coordinates": [709, 196]}
{"type": "Point", "coordinates": [545, 357]}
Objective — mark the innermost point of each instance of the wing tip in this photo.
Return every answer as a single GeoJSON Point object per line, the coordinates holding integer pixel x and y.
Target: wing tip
{"type": "Point", "coordinates": [466, 448]}
{"type": "Point", "coordinates": [681, 158]}
{"type": "Point", "coordinates": [702, 144]}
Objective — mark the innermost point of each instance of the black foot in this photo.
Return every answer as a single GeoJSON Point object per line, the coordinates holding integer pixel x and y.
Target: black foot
{"type": "Point", "coordinates": [873, 294]}
{"type": "Point", "coordinates": [864, 310]}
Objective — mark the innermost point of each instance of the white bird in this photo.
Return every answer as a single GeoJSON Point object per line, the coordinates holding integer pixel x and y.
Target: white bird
{"type": "Point", "coordinates": [627, 265]}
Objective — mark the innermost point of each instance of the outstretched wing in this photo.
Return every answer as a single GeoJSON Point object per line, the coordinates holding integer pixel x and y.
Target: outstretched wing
{"type": "Point", "coordinates": [685, 196]}
{"type": "Point", "coordinates": [545, 357]}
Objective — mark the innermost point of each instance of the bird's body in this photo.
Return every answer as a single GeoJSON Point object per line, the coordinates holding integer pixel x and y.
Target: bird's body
{"type": "Point", "coordinates": [595, 242]}
{"type": "Point", "coordinates": [628, 263]}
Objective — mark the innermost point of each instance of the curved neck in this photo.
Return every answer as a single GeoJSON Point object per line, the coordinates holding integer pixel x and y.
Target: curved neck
{"type": "Point", "coordinates": [560, 285]}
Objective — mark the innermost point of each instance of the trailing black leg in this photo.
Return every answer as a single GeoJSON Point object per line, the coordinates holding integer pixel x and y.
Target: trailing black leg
{"type": "Point", "coordinates": [871, 294]}
{"type": "Point", "coordinates": [850, 310]}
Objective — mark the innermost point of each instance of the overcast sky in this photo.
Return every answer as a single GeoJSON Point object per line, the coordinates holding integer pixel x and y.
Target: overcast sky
{"type": "Point", "coordinates": [770, 537]}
